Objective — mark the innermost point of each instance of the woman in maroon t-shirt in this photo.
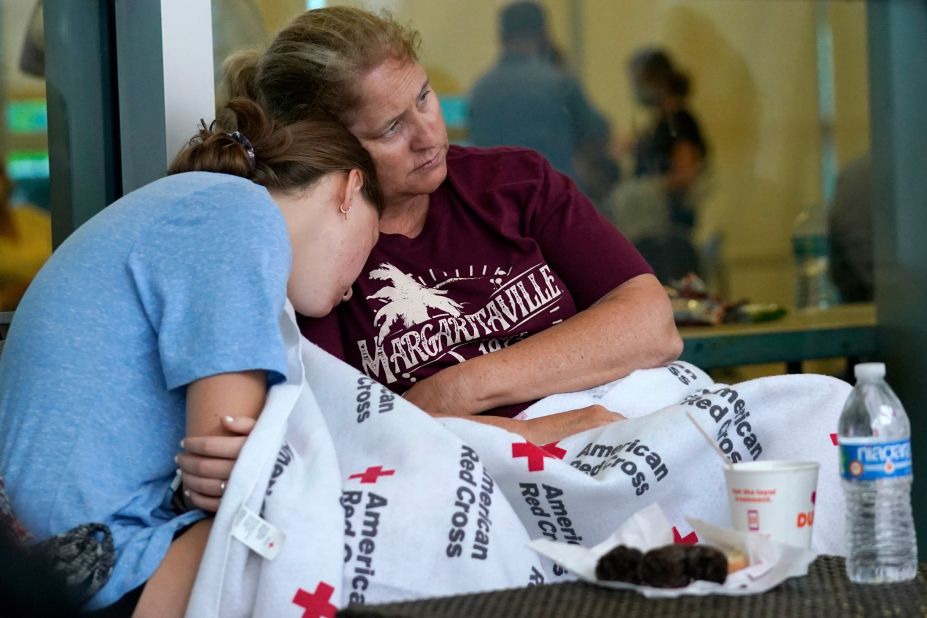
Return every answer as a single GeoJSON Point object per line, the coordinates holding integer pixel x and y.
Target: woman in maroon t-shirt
{"type": "Point", "coordinates": [494, 282]}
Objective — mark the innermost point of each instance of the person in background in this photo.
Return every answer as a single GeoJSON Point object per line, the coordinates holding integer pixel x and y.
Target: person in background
{"type": "Point", "coordinates": [32, 53]}
{"type": "Point", "coordinates": [529, 99]}
{"type": "Point", "coordinates": [495, 282]}
{"type": "Point", "coordinates": [657, 207]}
{"type": "Point", "coordinates": [25, 244]}
{"type": "Point", "coordinates": [850, 221]}
{"type": "Point", "coordinates": [159, 320]}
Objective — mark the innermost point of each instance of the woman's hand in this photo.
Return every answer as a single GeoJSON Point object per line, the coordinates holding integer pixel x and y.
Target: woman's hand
{"type": "Point", "coordinates": [622, 146]}
{"type": "Point", "coordinates": [553, 427]}
{"type": "Point", "coordinates": [686, 164]}
{"type": "Point", "coordinates": [556, 427]}
{"type": "Point", "coordinates": [207, 461]}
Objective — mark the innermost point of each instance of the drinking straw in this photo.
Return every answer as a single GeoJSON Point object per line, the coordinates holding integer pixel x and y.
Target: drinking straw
{"type": "Point", "coordinates": [712, 443]}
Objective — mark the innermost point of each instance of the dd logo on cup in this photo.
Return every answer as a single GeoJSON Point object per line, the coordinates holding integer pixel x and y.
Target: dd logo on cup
{"type": "Point", "coordinates": [805, 519]}
{"type": "Point", "coordinates": [753, 520]}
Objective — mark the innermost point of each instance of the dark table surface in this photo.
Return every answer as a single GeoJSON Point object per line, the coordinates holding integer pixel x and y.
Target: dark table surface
{"type": "Point", "coordinates": [824, 592]}
{"type": "Point", "coordinates": [841, 331]}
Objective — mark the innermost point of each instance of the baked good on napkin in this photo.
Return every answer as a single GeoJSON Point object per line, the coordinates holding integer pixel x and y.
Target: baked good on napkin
{"type": "Point", "coordinates": [670, 566]}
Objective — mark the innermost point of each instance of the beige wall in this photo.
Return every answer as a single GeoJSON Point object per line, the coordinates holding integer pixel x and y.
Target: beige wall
{"type": "Point", "coordinates": [851, 74]}
{"type": "Point", "coordinates": [753, 65]}
{"type": "Point", "coordinates": [278, 13]}
{"type": "Point", "coordinates": [14, 19]}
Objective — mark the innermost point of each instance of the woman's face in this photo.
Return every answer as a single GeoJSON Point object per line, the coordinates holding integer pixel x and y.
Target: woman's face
{"type": "Point", "coordinates": [329, 247]}
{"type": "Point", "coordinates": [646, 92]}
{"type": "Point", "coordinates": [399, 122]}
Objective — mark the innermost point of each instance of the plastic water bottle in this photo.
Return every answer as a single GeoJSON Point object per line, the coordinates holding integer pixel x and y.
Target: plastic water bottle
{"type": "Point", "coordinates": [875, 463]}
{"type": "Point", "coordinates": [811, 253]}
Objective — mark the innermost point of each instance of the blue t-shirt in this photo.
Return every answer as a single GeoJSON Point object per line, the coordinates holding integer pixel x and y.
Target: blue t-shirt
{"type": "Point", "coordinates": [182, 279]}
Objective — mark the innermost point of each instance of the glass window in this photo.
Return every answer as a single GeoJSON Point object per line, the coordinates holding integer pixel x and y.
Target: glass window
{"type": "Point", "coordinates": [725, 137]}
{"type": "Point", "coordinates": [25, 227]}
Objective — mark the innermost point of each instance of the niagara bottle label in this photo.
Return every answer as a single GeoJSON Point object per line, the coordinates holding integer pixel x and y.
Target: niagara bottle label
{"type": "Point", "coordinates": [868, 459]}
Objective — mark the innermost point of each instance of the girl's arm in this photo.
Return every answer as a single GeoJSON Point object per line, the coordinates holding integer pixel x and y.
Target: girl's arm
{"type": "Point", "coordinates": [221, 411]}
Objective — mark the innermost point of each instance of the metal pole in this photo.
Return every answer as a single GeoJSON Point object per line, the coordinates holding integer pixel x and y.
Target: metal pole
{"type": "Point", "coordinates": [897, 55]}
{"type": "Point", "coordinates": [165, 81]}
{"type": "Point", "coordinates": [83, 135]}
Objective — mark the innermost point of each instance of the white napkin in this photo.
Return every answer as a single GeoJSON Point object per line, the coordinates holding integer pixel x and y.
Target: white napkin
{"type": "Point", "coordinates": [769, 563]}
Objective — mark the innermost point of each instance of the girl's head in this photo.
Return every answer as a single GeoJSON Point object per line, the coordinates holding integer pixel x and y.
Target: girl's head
{"type": "Point", "coordinates": [362, 70]}
{"type": "Point", "coordinates": [319, 176]}
{"type": "Point", "coordinates": [654, 77]}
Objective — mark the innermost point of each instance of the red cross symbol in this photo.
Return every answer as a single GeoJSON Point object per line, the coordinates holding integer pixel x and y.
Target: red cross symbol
{"type": "Point", "coordinates": [316, 604]}
{"type": "Point", "coordinates": [372, 474]}
{"type": "Point", "coordinates": [534, 453]}
{"type": "Point", "coordinates": [689, 539]}
{"type": "Point", "coordinates": [555, 450]}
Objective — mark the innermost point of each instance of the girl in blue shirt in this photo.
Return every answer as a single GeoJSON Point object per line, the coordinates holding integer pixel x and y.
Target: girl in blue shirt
{"type": "Point", "coordinates": [158, 321]}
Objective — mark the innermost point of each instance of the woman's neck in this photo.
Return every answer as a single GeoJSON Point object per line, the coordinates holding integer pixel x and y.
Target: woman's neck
{"type": "Point", "coordinates": [406, 217]}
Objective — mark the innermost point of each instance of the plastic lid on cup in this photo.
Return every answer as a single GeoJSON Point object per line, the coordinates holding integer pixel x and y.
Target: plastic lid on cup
{"type": "Point", "coordinates": [869, 372]}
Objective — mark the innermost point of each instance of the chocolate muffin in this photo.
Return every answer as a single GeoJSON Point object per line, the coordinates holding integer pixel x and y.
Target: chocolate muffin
{"type": "Point", "coordinates": [621, 564]}
{"type": "Point", "coordinates": [674, 566]}
{"type": "Point", "coordinates": [707, 563]}
{"type": "Point", "coordinates": [666, 567]}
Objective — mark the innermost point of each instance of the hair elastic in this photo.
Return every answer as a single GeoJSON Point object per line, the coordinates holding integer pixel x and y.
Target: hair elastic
{"type": "Point", "coordinates": [246, 144]}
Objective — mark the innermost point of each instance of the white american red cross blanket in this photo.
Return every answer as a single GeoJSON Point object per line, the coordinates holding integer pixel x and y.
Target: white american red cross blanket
{"type": "Point", "coordinates": [377, 501]}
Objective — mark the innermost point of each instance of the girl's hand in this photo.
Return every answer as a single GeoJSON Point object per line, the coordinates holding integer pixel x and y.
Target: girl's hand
{"type": "Point", "coordinates": [206, 462]}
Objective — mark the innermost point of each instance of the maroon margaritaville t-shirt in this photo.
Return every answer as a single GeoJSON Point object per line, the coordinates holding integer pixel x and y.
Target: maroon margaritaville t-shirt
{"type": "Point", "coordinates": [510, 247]}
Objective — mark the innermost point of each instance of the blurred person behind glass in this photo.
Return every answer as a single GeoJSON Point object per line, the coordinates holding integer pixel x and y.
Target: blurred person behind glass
{"type": "Point", "coordinates": [850, 227]}
{"type": "Point", "coordinates": [25, 244]}
{"type": "Point", "coordinates": [528, 99]}
{"type": "Point", "coordinates": [656, 209]}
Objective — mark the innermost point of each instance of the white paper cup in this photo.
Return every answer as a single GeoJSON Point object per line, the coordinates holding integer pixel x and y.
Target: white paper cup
{"type": "Point", "coordinates": [775, 498]}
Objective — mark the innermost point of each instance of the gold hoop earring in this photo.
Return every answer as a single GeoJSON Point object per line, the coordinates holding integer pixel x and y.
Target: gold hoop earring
{"type": "Point", "coordinates": [344, 211]}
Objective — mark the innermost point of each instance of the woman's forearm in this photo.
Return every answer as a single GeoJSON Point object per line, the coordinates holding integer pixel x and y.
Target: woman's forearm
{"type": "Point", "coordinates": [629, 328]}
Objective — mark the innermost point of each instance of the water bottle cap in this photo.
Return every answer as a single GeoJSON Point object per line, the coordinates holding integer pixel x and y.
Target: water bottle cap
{"type": "Point", "coordinates": [869, 371]}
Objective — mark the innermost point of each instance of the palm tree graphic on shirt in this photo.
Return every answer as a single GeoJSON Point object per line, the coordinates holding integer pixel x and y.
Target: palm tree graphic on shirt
{"type": "Point", "coordinates": [407, 300]}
